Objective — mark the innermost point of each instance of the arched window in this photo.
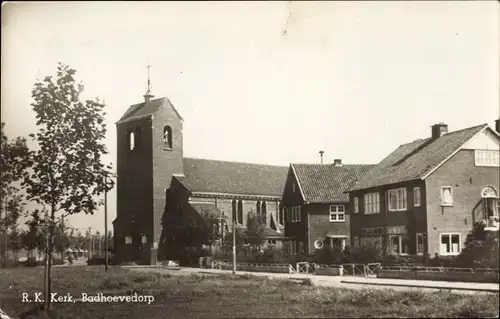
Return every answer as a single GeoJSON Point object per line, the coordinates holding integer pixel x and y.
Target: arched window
{"type": "Point", "coordinates": [240, 212]}
{"type": "Point", "coordinates": [281, 217]}
{"type": "Point", "coordinates": [263, 215]}
{"type": "Point", "coordinates": [491, 206]}
{"type": "Point", "coordinates": [131, 141]}
{"type": "Point", "coordinates": [257, 208]}
{"type": "Point", "coordinates": [167, 137]}
{"type": "Point", "coordinates": [234, 211]}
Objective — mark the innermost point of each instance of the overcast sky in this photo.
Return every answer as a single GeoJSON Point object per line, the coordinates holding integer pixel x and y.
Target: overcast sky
{"type": "Point", "coordinates": [265, 82]}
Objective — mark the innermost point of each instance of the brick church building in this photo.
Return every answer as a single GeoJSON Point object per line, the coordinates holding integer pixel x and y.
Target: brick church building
{"type": "Point", "coordinates": [155, 181]}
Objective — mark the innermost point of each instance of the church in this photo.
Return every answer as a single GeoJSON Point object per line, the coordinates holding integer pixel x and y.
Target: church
{"type": "Point", "coordinates": [155, 182]}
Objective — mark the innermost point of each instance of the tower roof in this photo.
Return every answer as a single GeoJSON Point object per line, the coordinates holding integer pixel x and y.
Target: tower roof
{"type": "Point", "coordinates": [145, 109]}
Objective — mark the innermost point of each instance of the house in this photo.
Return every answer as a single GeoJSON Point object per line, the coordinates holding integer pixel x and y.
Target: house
{"type": "Point", "coordinates": [425, 196]}
{"type": "Point", "coordinates": [155, 182]}
{"type": "Point", "coordinates": [316, 205]}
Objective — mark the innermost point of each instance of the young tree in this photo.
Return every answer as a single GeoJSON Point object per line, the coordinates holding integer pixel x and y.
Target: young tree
{"type": "Point", "coordinates": [68, 173]}
{"type": "Point", "coordinates": [33, 238]}
{"type": "Point", "coordinates": [255, 231]}
{"type": "Point", "coordinates": [14, 160]}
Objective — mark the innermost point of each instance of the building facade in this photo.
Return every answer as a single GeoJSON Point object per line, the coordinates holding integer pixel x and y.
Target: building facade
{"type": "Point", "coordinates": [425, 197]}
{"type": "Point", "coordinates": [316, 205]}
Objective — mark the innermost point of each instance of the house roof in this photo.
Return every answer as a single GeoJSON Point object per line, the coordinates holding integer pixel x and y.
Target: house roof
{"type": "Point", "coordinates": [415, 160]}
{"type": "Point", "coordinates": [327, 182]}
{"type": "Point", "coordinates": [211, 176]}
{"type": "Point", "coordinates": [144, 109]}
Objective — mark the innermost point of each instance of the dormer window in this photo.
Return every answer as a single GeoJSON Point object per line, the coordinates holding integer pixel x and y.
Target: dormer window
{"type": "Point", "coordinates": [131, 141]}
{"type": "Point", "coordinates": [167, 137]}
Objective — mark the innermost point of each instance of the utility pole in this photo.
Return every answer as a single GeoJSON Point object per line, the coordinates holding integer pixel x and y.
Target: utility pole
{"type": "Point", "coordinates": [90, 244]}
{"type": "Point", "coordinates": [106, 222]}
{"type": "Point", "coordinates": [234, 246]}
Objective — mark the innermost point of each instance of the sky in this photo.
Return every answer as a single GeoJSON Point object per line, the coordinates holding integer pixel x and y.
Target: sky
{"type": "Point", "coordinates": [265, 82]}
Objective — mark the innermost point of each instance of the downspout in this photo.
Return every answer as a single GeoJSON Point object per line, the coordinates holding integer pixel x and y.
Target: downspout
{"type": "Point", "coordinates": [308, 230]}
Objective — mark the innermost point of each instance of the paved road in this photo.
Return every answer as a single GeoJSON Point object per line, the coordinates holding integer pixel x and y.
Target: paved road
{"type": "Point", "coordinates": [345, 281]}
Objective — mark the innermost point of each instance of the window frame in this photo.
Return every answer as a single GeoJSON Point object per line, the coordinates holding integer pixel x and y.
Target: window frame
{"type": "Point", "coordinates": [128, 240]}
{"type": "Point", "coordinates": [442, 196]}
{"type": "Point", "coordinates": [398, 200]}
{"type": "Point", "coordinates": [491, 158]}
{"type": "Point", "coordinates": [450, 234]}
{"type": "Point", "coordinates": [371, 203]}
{"type": "Point", "coordinates": [356, 205]}
{"type": "Point", "coordinates": [336, 213]}
{"type": "Point", "coordinates": [400, 245]}
{"type": "Point", "coordinates": [415, 191]}
{"type": "Point", "coordinates": [417, 236]}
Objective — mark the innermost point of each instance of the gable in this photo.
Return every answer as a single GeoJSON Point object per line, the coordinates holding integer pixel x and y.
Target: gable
{"type": "Point", "coordinates": [485, 140]}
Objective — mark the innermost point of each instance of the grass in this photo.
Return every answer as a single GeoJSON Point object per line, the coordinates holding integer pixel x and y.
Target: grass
{"type": "Point", "coordinates": [199, 296]}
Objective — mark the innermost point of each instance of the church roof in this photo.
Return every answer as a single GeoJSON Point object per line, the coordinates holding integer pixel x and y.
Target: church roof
{"type": "Point", "coordinates": [212, 176]}
{"type": "Point", "coordinates": [145, 109]}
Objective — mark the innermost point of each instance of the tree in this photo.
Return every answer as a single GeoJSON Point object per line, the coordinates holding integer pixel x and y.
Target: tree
{"type": "Point", "coordinates": [62, 238]}
{"type": "Point", "coordinates": [67, 173]}
{"type": "Point", "coordinates": [34, 237]}
{"type": "Point", "coordinates": [14, 161]}
{"type": "Point", "coordinates": [254, 233]}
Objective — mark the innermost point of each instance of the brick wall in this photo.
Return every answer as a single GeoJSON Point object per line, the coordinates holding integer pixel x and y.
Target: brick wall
{"type": "Point", "coordinates": [467, 182]}
{"type": "Point", "coordinates": [320, 225]}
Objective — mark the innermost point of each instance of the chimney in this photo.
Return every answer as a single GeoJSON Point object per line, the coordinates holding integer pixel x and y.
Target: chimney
{"type": "Point", "coordinates": [321, 156]}
{"type": "Point", "coordinates": [497, 126]}
{"type": "Point", "coordinates": [439, 130]}
{"type": "Point", "coordinates": [337, 162]}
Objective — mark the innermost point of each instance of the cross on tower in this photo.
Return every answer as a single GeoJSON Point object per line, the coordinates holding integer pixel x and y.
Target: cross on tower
{"type": "Point", "coordinates": [148, 95]}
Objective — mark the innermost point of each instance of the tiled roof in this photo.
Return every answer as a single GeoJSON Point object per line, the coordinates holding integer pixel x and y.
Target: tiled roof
{"type": "Point", "coordinates": [144, 109]}
{"type": "Point", "coordinates": [211, 176]}
{"type": "Point", "coordinates": [327, 182]}
{"type": "Point", "coordinates": [414, 160]}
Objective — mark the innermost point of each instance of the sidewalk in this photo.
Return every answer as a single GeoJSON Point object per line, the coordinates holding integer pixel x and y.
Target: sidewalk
{"type": "Point", "coordinates": [350, 282]}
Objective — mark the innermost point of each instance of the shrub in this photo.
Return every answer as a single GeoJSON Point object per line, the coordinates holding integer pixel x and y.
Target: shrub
{"type": "Point", "coordinates": [481, 249]}
{"type": "Point", "coordinates": [328, 255]}
{"type": "Point", "coordinates": [366, 254]}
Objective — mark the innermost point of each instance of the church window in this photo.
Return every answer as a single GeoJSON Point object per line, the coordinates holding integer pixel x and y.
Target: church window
{"type": "Point", "coordinates": [240, 212]}
{"type": "Point", "coordinates": [263, 216]}
{"type": "Point", "coordinates": [234, 211]}
{"type": "Point", "coordinates": [131, 141]}
{"type": "Point", "coordinates": [167, 137]}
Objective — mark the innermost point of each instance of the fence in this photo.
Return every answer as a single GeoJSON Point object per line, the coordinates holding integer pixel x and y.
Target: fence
{"type": "Point", "coordinates": [440, 273]}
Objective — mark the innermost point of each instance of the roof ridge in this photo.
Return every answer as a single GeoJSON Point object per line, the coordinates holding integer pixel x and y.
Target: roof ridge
{"type": "Point", "coordinates": [452, 132]}
{"type": "Point", "coordinates": [232, 162]}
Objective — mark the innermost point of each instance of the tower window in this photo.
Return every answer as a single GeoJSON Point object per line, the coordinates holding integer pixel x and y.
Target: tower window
{"type": "Point", "coordinates": [131, 141]}
{"type": "Point", "coordinates": [167, 137]}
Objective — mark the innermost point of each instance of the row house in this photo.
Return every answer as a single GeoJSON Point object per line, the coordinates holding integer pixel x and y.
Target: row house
{"type": "Point", "coordinates": [425, 197]}
{"type": "Point", "coordinates": [316, 205]}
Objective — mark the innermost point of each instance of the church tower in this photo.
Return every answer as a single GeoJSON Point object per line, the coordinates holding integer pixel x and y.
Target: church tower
{"type": "Point", "coordinates": [149, 152]}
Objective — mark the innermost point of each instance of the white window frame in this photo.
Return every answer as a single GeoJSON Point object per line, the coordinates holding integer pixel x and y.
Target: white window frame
{"type": "Point", "coordinates": [398, 200]}
{"type": "Point", "coordinates": [416, 190]}
{"type": "Point", "coordinates": [417, 236]}
{"type": "Point", "coordinates": [372, 203]}
{"type": "Point", "coordinates": [442, 196]}
{"type": "Point", "coordinates": [487, 158]}
{"type": "Point", "coordinates": [400, 237]}
{"type": "Point", "coordinates": [299, 210]}
{"type": "Point", "coordinates": [334, 216]}
{"type": "Point", "coordinates": [452, 253]}
{"type": "Point", "coordinates": [356, 205]}
{"type": "Point", "coordinates": [128, 240]}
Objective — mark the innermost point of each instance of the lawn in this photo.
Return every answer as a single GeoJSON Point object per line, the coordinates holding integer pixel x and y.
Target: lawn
{"type": "Point", "coordinates": [198, 296]}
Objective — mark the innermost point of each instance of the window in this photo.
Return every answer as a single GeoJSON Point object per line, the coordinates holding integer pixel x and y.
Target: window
{"type": "Point", "coordinates": [356, 205]}
{"type": "Point", "coordinates": [487, 158]}
{"type": "Point", "coordinates": [271, 242]}
{"type": "Point", "coordinates": [131, 141]}
{"type": "Point", "coordinates": [167, 137]}
{"type": "Point", "coordinates": [398, 245]}
{"type": "Point", "coordinates": [450, 244]}
{"type": "Point", "coordinates": [240, 212]}
{"type": "Point", "coordinates": [337, 213]}
{"type": "Point", "coordinates": [144, 239]}
{"type": "Point", "coordinates": [234, 215]}
{"type": "Point", "coordinates": [397, 199]}
{"type": "Point", "coordinates": [372, 203]}
{"type": "Point", "coordinates": [263, 214]}
{"type": "Point", "coordinates": [446, 196]}
{"type": "Point", "coordinates": [293, 187]}
{"type": "Point", "coordinates": [281, 214]}
{"type": "Point", "coordinates": [416, 196]}
{"type": "Point", "coordinates": [420, 244]}
{"type": "Point", "coordinates": [299, 214]}
{"type": "Point", "coordinates": [128, 240]}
